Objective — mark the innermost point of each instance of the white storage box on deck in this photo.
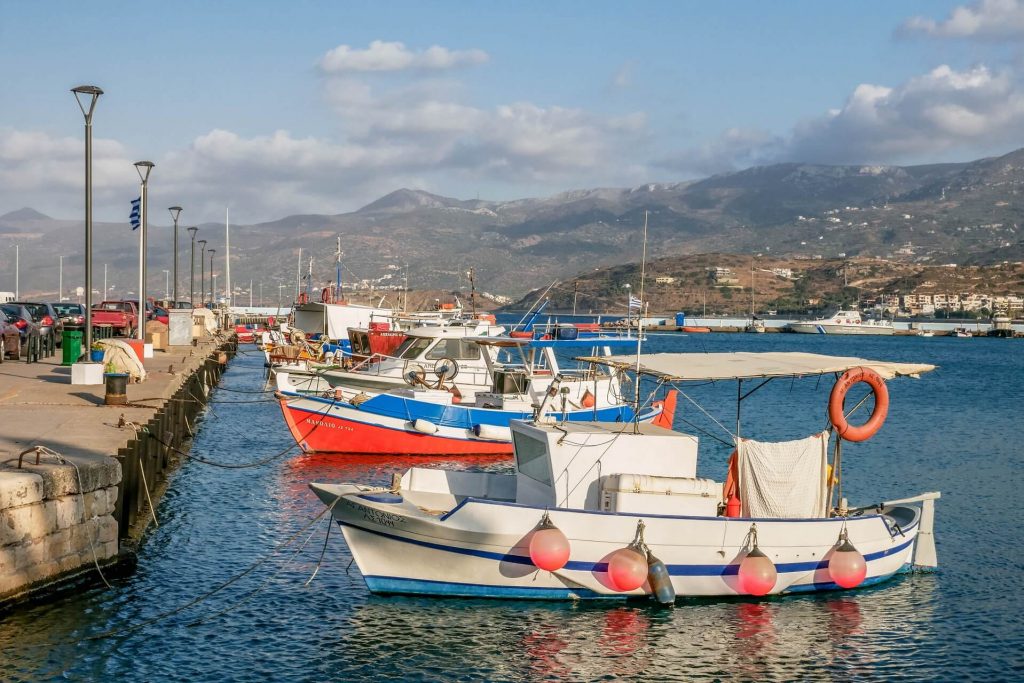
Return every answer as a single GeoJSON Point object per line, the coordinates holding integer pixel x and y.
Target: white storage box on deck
{"type": "Point", "coordinates": [427, 395]}
{"type": "Point", "coordinates": [640, 493]}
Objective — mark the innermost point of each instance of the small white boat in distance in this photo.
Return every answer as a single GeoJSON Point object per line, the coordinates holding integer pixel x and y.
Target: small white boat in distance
{"type": "Point", "coordinates": [605, 510]}
{"type": "Point", "coordinates": [843, 322]}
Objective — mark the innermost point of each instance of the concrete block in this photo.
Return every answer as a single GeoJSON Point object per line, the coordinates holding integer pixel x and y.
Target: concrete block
{"type": "Point", "coordinates": [58, 544]}
{"type": "Point", "coordinates": [68, 511]}
{"type": "Point", "coordinates": [60, 480]}
{"type": "Point", "coordinates": [147, 350]}
{"type": "Point", "coordinates": [87, 373]}
{"type": "Point", "coordinates": [107, 530]}
{"type": "Point", "coordinates": [21, 524]}
{"type": "Point", "coordinates": [19, 487]}
{"type": "Point", "coordinates": [13, 582]}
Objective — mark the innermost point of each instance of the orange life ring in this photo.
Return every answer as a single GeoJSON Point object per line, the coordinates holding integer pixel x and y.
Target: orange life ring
{"type": "Point", "coordinates": [325, 295]}
{"type": "Point", "coordinates": [838, 396]}
{"type": "Point", "coordinates": [303, 298]}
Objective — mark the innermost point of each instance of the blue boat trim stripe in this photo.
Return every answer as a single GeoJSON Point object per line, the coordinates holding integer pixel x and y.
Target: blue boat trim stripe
{"type": "Point", "coordinates": [484, 501]}
{"type": "Point", "coordinates": [577, 565]}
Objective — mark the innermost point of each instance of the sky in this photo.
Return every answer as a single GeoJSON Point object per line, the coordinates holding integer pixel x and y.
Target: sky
{"type": "Point", "coordinates": [278, 108]}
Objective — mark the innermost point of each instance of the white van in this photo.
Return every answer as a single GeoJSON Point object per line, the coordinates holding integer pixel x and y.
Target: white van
{"type": "Point", "coordinates": [6, 297]}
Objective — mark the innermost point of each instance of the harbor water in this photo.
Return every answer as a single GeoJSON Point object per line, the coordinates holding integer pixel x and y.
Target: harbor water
{"type": "Point", "coordinates": [956, 430]}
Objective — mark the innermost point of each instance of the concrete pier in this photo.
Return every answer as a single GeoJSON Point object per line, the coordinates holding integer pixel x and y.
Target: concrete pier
{"type": "Point", "coordinates": [87, 499]}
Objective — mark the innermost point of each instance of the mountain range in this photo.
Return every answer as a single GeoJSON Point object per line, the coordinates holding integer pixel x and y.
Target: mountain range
{"type": "Point", "coordinates": [955, 212]}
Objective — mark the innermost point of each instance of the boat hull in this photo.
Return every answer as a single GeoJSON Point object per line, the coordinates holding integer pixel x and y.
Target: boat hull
{"type": "Point", "coordinates": [326, 426]}
{"type": "Point", "coordinates": [819, 328]}
{"type": "Point", "coordinates": [481, 549]}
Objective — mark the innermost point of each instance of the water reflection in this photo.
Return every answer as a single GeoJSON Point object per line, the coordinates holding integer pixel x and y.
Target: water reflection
{"type": "Point", "coordinates": [780, 639]}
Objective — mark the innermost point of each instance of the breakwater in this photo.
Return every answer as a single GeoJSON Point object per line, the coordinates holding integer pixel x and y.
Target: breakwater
{"type": "Point", "coordinates": [79, 480]}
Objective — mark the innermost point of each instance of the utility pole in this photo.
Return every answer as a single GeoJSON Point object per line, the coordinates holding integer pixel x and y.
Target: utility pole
{"type": "Point", "coordinates": [175, 212]}
{"type": "Point", "coordinates": [472, 290]}
{"type": "Point", "coordinates": [60, 281]}
{"type": "Point", "coordinates": [17, 272]}
{"type": "Point", "coordinates": [575, 292]}
{"type": "Point", "coordinates": [93, 93]}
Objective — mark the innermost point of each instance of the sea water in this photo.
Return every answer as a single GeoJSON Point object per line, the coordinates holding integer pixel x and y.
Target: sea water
{"type": "Point", "coordinates": [956, 430]}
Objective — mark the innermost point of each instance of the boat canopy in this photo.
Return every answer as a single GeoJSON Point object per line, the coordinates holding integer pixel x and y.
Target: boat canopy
{"type": "Point", "coordinates": [579, 343]}
{"type": "Point", "coordinates": [746, 365]}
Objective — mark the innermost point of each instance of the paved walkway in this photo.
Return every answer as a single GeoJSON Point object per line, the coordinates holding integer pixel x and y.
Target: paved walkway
{"type": "Point", "coordinates": [40, 406]}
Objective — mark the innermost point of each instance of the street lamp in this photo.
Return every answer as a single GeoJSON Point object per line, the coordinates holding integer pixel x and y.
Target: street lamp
{"type": "Point", "coordinates": [167, 283]}
{"type": "Point", "coordinates": [213, 287]}
{"type": "Point", "coordinates": [92, 93]}
{"type": "Point", "coordinates": [175, 212]}
{"type": "Point", "coordinates": [192, 269]}
{"type": "Point", "coordinates": [202, 273]}
{"type": "Point", "coordinates": [629, 301]}
{"type": "Point", "coordinates": [60, 281]}
{"type": "Point", "coordinates": [143, 168]}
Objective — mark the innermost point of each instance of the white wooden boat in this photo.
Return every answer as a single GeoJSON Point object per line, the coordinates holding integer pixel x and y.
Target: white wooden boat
{"type": "Point", "coordinates": [598, 510]}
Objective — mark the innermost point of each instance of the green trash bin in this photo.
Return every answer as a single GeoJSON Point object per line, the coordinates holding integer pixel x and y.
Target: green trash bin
{"type": "Point", "coordinates": [71, 344]}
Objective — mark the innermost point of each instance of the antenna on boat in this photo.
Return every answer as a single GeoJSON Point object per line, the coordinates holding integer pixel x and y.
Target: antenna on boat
{"type": "Point", "coordinates": [337, 285]}
{"type": "Point", "coordinates": [640, 333]}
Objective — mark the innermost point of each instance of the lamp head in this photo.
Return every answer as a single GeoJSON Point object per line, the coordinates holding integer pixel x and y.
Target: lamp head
{"type": "Point", "coordinates": [175, 212]}
{"type": "Point", "coordinates": [143, 168]}
{"type": "Point", "coordinates": [93, 94]}
{"type": "Point", "coordinates": [193, 230]}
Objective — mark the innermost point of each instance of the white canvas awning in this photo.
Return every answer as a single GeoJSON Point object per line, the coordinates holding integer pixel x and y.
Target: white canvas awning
{"type": "Point", "coordinates": [745, 365]}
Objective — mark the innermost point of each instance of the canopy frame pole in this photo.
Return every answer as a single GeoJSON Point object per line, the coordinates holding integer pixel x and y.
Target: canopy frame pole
{"type": "Point", "coordinates": [756, 388]}
{"type": "Point", "coordinates": [739, 401]}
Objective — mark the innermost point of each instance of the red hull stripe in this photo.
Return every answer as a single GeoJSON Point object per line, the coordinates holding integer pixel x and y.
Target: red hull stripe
{"type": "Point", "coordinates": [317, 433]}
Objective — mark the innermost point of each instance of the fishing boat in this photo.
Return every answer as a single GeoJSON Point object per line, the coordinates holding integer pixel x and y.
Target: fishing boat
{"type": "Point", "coordinates": [843, 322]}
{"type": "Point", "coordinates": [414, 362]}
{"type": "Point", "coordinates": [616, 510]}
{"type": "Point", "coordinates": [962, 333]}
{"type": "Point", "coordinates": [435, 418]}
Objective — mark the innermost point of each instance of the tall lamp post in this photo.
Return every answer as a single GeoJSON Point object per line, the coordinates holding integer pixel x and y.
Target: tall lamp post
{"type": "Point", "coordinates": [167, 283]}
{"type": "Point", "coordinates": [192, 269]}
{"type": "Point", "coordinates": [202, 273]}
{"type": "Point", "coordinates": [213, 287]}
{"type": "Point", "coordinates": [175, 212]}
{"type": "Point", "coordinates": [91, 93]}
{"type": "Point", "coordinates": [144, 168]}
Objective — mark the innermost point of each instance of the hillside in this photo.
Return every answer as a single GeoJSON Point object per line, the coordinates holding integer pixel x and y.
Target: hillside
{"type": "Point", "coordinates": [779, 284]}
{"type": "Point", "coordinates": [963, 213]}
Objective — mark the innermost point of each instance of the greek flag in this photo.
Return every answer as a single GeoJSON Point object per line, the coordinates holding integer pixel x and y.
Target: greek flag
{"type": "Point", "coordinates": [133, 217]}
{"type": "Point", "coordinates": [634, 303]}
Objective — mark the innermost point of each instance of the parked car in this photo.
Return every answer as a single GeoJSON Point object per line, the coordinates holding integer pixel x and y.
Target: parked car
{"type": "Point", "coordinates": [50, 324]}
{"type": "Point", "coordinates": [121, 315]}
{"type": "Point", "coordinates": [31, 333]}
{"type": "Point", "coordinates": [70, 314]}
{"type": "Point", "coordinates": [10, 338]}
{"type": "Point", "coordinates": [160, 314]}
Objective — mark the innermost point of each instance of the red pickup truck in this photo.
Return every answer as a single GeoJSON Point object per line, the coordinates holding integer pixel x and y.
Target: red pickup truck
{"type": "Point", "coordinates": [123, 316]}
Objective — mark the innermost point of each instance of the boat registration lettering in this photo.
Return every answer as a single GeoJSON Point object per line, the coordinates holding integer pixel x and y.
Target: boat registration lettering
{"type": "Point", "coordinates": [323, 423]}
{"type": "Point", "coordinates": [381, 518]}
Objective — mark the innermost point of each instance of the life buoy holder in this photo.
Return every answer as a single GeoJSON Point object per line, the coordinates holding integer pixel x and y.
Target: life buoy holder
{"type": "Point", "coordinates": [325, 295]}
{"type": "Point", "coordinates": [837, 399]}
{"type": "Point", "coordinates": [303, 298]}
{"type": "Point", "coordinates": [730, 490]}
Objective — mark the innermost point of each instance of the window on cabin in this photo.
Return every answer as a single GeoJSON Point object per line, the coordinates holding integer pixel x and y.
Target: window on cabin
{"type": "Point", "coordinates": [531, 458]}
{"type": "Point", "coordinates": [412, 347]}
{"type": "Point", "coordinates": [457, 349]}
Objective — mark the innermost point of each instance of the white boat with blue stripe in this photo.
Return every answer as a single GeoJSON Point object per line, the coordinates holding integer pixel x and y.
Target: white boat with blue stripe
{"type": "Point", "coordinates": [603, 510]}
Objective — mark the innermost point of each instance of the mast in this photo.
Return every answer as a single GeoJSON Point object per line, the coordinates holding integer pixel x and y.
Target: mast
{"type": "Point", "coordinates": [472, 290]}
{"type": "Point", "coordinates": [227, 255]}
{"type": "Point", "coordinates": [298, 276]}
{"type": "Point", "coordinates": [640, 333]}
{"type": "Point", "coordinates": [337, 285]}
{"type": "Point", "coordinates": [309, 279]}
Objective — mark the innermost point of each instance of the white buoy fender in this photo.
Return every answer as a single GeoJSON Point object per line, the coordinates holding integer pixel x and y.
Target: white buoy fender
{"type": "Point", "coordinates": [493, 432]}
{"type": "Point", "coordinates": [425, 426]}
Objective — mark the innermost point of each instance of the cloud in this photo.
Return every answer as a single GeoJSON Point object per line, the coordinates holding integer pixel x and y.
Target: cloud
{"type": "Point", "coordinates": [970, 112]}
{"type": "Point", "coordinates": [994, 20]}
{"type": "Point", "coordinates": [394, 56]}
{"type": "Point", "coordinates": [623, 76]}
{"type": "Point", "coordinates": [45, 171]}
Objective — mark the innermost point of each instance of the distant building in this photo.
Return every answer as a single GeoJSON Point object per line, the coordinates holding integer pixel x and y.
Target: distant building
{"type": "Point", "coordinates": [664, 280]}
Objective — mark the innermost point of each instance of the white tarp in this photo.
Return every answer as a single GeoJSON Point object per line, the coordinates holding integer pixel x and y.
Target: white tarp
{"type": "Point", "coordinates": [785, 479]}
{"type": "Point", "coordinates": [118, 356]}
{"type": "Point", "coordinates": [748, 365]}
